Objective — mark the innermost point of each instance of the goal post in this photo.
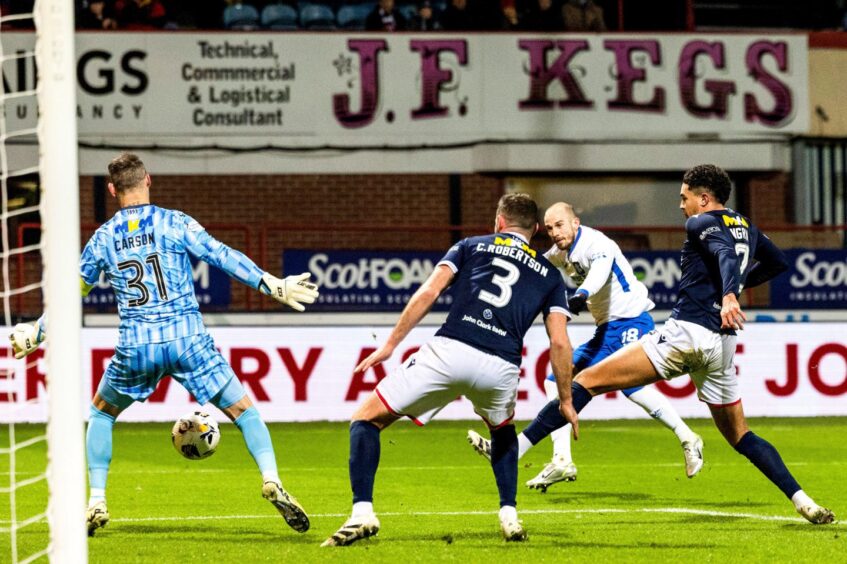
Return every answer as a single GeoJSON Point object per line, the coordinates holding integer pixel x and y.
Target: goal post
{"type": "Point", "coordinates": [57, 136]}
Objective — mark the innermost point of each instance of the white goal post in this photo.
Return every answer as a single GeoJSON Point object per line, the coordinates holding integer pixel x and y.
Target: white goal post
{"type": "Point", "coordinates": [57, 135]}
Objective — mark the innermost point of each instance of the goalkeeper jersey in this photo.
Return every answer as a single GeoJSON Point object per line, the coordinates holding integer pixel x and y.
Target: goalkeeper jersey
{"type": "Point", "coordinates": [144, 251]}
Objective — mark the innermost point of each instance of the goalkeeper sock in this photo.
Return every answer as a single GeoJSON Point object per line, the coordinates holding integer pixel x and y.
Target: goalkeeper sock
{"type": "Point", "coordinates": [258, 441]}
{"type": "Point", "coordinates": [504, 462]}
{"type": "Point", "coordinates": [550, 418]}
{"type": "Point", "coordinates": [765, 457]}
{"type": "Point", "coordinates": [98, 450]}
{"type": "Point", "coordinates": [364, 459]}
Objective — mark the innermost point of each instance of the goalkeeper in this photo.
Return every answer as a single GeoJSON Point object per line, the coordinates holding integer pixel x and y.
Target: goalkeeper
{"type": "Point", "coordinates": [144, 251]}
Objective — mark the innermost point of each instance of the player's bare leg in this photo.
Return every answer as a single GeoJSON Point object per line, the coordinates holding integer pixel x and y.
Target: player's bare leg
{"type": "Point", "coordinates": [732, 424]}
{"type": "Point", "coordinates": [367, 423]}
{"type": "Point", "coordinates": [627, 368]}
{"type": "Point", "coordinates": [630, 367]}
{"type": "Point", "coordinates": [258, 440]}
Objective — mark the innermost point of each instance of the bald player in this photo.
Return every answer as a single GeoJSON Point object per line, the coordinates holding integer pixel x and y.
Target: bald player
{"type": "Point", "coordinates": [608, 288]}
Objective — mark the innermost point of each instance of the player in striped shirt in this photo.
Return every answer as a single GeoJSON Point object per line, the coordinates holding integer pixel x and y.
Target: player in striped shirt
{"type": "Point", "coordinates": [144, 251]}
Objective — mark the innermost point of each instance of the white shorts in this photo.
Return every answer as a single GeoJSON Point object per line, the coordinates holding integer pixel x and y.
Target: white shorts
{"type": "Point", "coordinates": [682, 347]}
{"type": "Point", "coordinates": [444, 369]}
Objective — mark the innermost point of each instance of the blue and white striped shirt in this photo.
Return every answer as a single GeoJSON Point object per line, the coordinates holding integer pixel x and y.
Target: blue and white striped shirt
{"type": "Point", "coordinates": [144, 251]}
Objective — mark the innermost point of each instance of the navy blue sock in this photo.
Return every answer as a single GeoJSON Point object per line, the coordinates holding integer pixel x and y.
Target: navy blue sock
{"type": "Point", "coordinates": [580, 395]}
{"type": "Point", "coordinates": [766, 458]}
{"type": "Point", "coordinates": [504, 461]}
{"type": "Point", "coordinates": [549, 418]}
{"type": "Point", "coordinates": [364, 459]}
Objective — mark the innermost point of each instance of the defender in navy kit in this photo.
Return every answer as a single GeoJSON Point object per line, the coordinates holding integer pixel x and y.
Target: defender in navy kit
{"type": "Point", "coordinates": [501, 286]}
{"type": "Point", "coordinates": [723, 253]}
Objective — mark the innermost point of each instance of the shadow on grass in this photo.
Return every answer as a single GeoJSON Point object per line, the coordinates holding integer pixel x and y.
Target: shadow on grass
{"type": "Point", "coordinates": [638, 545]}
{"type": "Point", "coordinates": [584, 497]}
{"type": "Point", "coordinates": [191, 532]}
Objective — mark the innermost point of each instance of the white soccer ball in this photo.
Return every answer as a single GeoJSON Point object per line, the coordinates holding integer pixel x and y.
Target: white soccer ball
{"type": "Point", "coordinates": [196, 435]}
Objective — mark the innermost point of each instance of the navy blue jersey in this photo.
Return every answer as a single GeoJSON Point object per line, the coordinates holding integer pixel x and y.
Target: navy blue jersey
{"type": "Point", "coordinates": [718, 255]}
{"type": "Point", "coordinates": [501, 286]}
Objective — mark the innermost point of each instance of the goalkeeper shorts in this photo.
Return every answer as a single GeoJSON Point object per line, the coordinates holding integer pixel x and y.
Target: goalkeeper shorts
{"type": "Point", "coordinates": [194, 362]}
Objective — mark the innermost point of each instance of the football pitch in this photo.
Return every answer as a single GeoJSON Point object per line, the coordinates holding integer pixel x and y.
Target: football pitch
{"type": "Point", "coordinates": [436, 498]}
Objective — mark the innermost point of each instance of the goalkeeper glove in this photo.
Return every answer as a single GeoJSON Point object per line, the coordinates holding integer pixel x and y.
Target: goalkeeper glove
{"type": "Point", "coordinates": [576, 303]}
{"type": "Point", "coordinates": [292, 291]}
{"type": "Point", "coordinates": [25, 338]}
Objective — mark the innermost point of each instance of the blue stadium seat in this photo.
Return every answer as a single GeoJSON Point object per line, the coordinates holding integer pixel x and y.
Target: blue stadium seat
{"type": "Point", "coordinates": [316, 17]}
{"type": "Point", "coordinates": [352, 17]}
{"type": "Point", "coordinates": [409, 11]}
{"type": "Point", "coordinates": [279, 17]}
{"type": "Point", "coordinates": [241, 17]}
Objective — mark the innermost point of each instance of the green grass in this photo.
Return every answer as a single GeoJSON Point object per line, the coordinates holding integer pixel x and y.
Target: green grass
{"type": "Point", "coordinates": [437, 501]}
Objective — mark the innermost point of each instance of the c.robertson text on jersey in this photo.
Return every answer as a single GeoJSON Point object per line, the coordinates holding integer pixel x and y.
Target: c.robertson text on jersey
{"type": "Point", "coordinates": [515, 253]}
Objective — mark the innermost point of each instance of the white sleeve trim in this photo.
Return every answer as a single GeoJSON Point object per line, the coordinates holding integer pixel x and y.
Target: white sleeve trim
{"type": "Point", "coordinates": [557, 309]}
{"type": "Point", "coordinates": [449, 265]}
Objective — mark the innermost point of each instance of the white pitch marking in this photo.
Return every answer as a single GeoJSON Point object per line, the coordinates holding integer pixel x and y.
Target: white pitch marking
{"type": "Point", "coordinates": [672, 510]}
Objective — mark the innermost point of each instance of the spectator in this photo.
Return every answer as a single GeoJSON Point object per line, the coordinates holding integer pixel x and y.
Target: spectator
{"type": "Point", "coordinates": [542, 15]}
{"type": "Point", "coordinates": [583, 15]}
{"type": "Point", "coordinates": [385, 17]}
{"type": "Point", "coordinates": [425, 18]}
{"type": "Point", "coordinates": [509, 20]}
{"type": "Point", "coordinates": [487, 14]}
{"type": "Point", "coordinates": [97, 14]}
{"type": "Point", "coordinates": [458, 17]}
{"type": "Point", "coordinates": [140, 14]}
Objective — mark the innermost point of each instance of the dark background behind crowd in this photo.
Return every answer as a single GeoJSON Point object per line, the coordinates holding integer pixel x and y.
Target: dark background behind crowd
{"type": "Point", "coordinates": [449, 15]}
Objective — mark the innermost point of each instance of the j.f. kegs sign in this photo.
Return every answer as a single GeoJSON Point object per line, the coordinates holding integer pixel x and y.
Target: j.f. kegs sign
{"type": "Point", "coordinates": [400, 89]}
{"type": "Point", "coordinates": [365, 280]}
{"type": "Point", "coordinates": [211, 286]}
{"type": "Point", "coordinates": [815, 279]}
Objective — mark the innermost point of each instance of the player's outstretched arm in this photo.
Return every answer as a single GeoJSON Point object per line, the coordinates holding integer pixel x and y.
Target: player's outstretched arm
{"type": "Point", "coordinates": [293, 291]}
{"type": "Point", "coordinates": [418, 306]}
{"type": "Point", "coordinates": [26, 337]}
{"type": "Point", "coordinates": [561, 357]}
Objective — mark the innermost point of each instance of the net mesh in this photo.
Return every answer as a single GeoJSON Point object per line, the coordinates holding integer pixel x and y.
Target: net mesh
{"type": "Point", "coordinates": [23, 458]}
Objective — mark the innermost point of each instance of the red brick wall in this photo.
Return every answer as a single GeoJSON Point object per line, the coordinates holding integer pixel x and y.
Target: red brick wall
{"type": "Point", "coordinates": [770, 199]}
{"type": "Point", "coordinates": [325, 202]}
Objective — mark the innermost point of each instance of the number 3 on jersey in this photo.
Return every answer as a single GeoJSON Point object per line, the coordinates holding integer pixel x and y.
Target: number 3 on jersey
{"type": "Point", "coordinates": [137, 276]}
{"type": "Point", "coordinates": [505, 283]}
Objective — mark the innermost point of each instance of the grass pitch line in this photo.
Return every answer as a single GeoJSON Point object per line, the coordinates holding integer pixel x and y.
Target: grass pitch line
{"type": "Point", "coordinates": [669, 510]}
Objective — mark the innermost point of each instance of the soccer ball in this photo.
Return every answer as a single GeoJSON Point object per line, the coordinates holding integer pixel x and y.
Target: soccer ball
{"type": "Point", "coordinates": [196, 435]}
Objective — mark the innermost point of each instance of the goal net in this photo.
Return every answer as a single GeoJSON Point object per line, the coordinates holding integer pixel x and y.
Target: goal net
{"type": "Point", "coordinates": [41, 468]}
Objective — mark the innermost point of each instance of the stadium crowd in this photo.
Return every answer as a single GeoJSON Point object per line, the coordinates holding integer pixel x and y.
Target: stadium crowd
{"type": "Point", "coordinates": [380, 15]}
{"type": "Point", "coordinates": [447, 15]}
